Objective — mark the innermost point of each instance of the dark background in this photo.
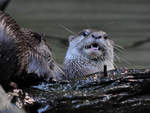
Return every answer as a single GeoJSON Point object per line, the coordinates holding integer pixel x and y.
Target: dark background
{"type": "Point", "coordinates": [126, 22]}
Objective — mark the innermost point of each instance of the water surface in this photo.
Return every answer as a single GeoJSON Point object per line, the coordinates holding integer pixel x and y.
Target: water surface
{"type": "Point", "coordinates": [125, 21]}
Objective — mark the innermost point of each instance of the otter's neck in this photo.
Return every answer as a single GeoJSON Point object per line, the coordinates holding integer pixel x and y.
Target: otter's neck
{"type": "Point", "coordinates": [79, 67]}
{"type": "Point", "coordinates": [76, 65]}
{"type": "Point", "coordinates": [97, 64]}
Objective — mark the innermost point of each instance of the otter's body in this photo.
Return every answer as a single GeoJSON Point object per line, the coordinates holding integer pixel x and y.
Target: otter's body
{"type": "Point", "coordinates": [3, 4]}
{"type": "Point", "coordinates": [87, 53]}
{"type": "Point", "coordinates": [23, 54]}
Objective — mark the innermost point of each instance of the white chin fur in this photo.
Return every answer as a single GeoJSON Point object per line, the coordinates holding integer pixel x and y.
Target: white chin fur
{"type": "Point", "coordinates": [72, 54]}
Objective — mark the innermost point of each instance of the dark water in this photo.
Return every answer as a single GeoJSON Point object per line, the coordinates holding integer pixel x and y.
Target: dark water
{"type": "Point", "coordinates": [126, 21]}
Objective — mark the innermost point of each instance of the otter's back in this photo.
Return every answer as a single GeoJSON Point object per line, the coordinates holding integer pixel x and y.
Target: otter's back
{"type": "Point", "coordinates": [8, 47]}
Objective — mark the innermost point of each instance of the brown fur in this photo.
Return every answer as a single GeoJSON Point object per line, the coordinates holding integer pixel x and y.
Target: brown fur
{"type": "Point", "coordinates": [23, 53]}
{"type": "Point", "coordinates": [3, 4]}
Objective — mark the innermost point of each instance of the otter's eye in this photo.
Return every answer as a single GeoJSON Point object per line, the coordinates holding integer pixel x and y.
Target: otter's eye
{"type": "Point", "coordinates": [85, 33]}
{"type": "Point", "coordinates": [105, 37]}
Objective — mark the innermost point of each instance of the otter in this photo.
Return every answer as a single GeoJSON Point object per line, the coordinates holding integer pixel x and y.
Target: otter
{"type": "Point", "coordinates": [88, 52]}
{"type": "Point", "coordinates": [3, 4]}
{"type": "Point", "coordinates": [24, 54]}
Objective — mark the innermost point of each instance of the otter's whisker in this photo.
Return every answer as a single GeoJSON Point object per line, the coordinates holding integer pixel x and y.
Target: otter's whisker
{"type": "Point", "coordinates": [124, 61]}
{"type": "Point", "coordinates": [116, 45]}
{"type": "Point", "coordinates": [118, 50]}
{"type": "Point", "coordinates": [117, 57]}
{"type": "Point", "coordinates": [120, 59]}
{"type": "Point", "coordinates": [67, 29]}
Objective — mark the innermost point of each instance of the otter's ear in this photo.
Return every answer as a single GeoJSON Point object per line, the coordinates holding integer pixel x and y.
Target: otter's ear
{"type": "Point", "coordinates": [71, 37]}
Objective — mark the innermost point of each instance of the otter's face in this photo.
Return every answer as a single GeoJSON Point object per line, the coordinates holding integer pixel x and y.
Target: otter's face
{"type": "Point", "coordinates": [41, 61]}
{"type": "Point", "coordinates": [92, 44]}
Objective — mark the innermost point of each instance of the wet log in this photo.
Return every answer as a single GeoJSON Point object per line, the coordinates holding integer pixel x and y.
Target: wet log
{"type": "Point", "coordinates": [5, 105]}
{"type": "Point", "coordinates": [121, 91]}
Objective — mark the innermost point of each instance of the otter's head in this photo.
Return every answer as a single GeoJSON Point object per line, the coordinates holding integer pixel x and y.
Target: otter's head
{"type": "Point", "coordinates": [40, 57]}
{"type": "Point", "coordinates": [90, 44]}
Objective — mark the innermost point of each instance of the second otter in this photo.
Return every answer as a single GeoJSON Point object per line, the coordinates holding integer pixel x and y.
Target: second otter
{"type": "Point", "coordinates": [87, 53]}
{"type": "Point", "coordinates": [25, 57]}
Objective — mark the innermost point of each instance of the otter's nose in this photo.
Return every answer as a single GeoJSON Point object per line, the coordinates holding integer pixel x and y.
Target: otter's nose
{"type": "Point", "coordinates": [96, 35]}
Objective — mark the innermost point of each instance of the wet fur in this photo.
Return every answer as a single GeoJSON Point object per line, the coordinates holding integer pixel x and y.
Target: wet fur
{"type": "Point", "coordinates": [23, 54]}
{"type": "Point", "coordinates": [77, 63]}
